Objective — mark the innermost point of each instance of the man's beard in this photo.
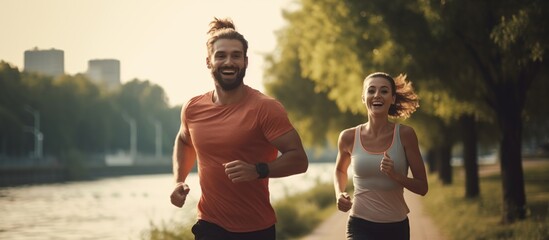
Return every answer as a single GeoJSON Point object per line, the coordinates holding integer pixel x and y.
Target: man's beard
{"type": "Point", "coordinates": [227, 86]}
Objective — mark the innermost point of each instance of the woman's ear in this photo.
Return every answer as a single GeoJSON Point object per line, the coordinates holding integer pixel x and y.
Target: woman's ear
{"type": "Point", "coordinates": [208, 64]}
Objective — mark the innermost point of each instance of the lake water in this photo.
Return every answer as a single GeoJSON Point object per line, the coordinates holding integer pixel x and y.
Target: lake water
{"type": "Point", "coordinates": [115, 208]}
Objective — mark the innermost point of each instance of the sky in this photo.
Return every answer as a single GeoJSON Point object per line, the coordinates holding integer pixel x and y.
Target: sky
{"type": "Point", "coordinates": [163, 41]}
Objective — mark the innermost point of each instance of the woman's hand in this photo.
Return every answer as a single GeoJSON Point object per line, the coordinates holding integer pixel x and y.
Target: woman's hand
{"type": "Point", "coordinates": [344, 202]}
{"type": "Point", "coordinates": [387, 165]}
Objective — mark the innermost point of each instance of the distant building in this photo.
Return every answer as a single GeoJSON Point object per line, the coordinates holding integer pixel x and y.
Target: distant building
{"type": "Point", "coordinates": [48, 62]}
{"type": "Point", "coordinates": [105, 71]}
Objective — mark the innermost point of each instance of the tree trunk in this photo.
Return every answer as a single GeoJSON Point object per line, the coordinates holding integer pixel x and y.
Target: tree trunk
{"type": "Point", "coordinates": [431, 160]}
{"type": "Point", "coordinates": [514, 197]}
{"type": "Point", "coordinates": [444, 155]}
{"type": "Point", "coordinates": [470, 157]}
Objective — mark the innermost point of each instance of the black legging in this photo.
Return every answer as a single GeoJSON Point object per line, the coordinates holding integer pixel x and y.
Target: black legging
{"type": "Point", "coordinates": [360, 229]}
{"type": "Point", "coordinates": [203, 230]}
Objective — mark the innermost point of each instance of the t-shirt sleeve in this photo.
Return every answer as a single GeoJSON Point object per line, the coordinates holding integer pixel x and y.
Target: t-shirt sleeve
{"type": "Point", "coordinates": [274, 120]}
{"type": "Point", "coordinates": [184, 129]}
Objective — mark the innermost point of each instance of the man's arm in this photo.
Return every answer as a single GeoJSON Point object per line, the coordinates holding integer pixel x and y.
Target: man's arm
{"type": "Point", "coordinates": [184, 157]}
{"type": "Point", "coordinates": [293, 160]}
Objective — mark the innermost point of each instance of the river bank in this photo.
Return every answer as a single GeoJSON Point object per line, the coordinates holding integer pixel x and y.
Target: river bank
{"type": "Point", "coordinates": [58, 174]}
{"type": "Point", "coordinates": [115, 207]}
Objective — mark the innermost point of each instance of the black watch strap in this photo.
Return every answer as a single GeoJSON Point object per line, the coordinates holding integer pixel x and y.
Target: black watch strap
{"type": "Point", "coordinates": [262, 169]}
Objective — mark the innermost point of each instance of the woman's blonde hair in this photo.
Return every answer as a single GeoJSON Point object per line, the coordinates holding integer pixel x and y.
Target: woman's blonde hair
{"type": "Point", "coordinates": [406, 100]}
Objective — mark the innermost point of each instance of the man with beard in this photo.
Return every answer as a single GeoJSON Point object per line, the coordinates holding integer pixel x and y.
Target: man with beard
{"type": "Point", "coordinates": [234, 133]}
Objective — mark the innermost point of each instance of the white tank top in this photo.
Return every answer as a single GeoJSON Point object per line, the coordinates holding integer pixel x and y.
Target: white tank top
{"type": "Point", "coordinates": [377, 197]}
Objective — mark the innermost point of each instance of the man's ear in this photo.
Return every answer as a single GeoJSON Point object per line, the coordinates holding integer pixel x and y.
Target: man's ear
{"type": "Point", "coordinates": [208, 64]}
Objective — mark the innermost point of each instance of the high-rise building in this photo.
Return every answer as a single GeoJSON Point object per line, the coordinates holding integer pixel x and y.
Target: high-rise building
{"type": "Point", "coordinates": [105, 71]}
{"type": "Point", "coordinates": [48, 62]}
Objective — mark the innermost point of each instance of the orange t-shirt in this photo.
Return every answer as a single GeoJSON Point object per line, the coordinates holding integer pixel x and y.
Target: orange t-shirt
{"type": "Point", "coordinates": [240, 131]}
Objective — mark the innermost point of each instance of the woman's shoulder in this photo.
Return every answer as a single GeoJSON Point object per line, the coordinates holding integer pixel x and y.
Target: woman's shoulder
{"type": "Point", "coordinates": [347, 136]}
{"type": "Point", "coordinates": [407, 133]}
{"type": "Point", "coordinates": [405, 129]}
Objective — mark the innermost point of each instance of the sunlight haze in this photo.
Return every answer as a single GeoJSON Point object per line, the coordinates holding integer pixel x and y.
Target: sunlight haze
{"type": "Point", "coordinates": [160, 41]}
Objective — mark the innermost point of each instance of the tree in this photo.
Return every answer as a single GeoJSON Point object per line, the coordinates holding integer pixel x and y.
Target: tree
{"type": "Point", "coordinates": [145, 103]}
{"type": "Point", "coordinates": [310, 109]}
{"type": "Point", "coordinates": [503, 45]}
{"type": "Point", "coordinates": [311, 70]}
{"type": "Point", "coordinates": [12, 102]}
{"type": "Point", "coordinates": [439, 84]}
{"type": "Point", "coordinates": [358, 43]}
{"type": "Point", "coordinates": [482, 55]}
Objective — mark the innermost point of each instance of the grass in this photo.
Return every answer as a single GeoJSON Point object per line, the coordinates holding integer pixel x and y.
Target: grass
{"type": "Point", "coordinates": [297, 216]}
{"type": "Point", "coordinates": [480, 218]}
{"type": "Point", "coordinates": [169, 231]}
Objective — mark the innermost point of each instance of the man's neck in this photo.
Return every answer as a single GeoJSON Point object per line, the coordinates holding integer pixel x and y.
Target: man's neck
{"type": "Point", "coordinates": [223, 97]}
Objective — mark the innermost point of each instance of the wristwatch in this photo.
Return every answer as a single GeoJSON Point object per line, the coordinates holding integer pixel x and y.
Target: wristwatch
{"type": "Point", "coordinates": [262, 169]}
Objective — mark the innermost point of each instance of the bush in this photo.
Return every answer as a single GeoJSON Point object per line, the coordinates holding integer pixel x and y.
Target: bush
{"type": "Point", "coordinates": [295, 219]}
{"type": "Point", "coordinates": [75, 163]}
{"type": "Point", "coordinates": [299, 214]}
{"type": "Point", "coordinates": [480, 218]}
{"type": "Point", "coordinates": [168, 231]}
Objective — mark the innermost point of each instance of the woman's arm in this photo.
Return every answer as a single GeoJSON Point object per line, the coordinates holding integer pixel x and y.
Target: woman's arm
{"type": "Point", "coordinates": [343, 160]}
{"type": "Point", "coordinates": [418, 182]}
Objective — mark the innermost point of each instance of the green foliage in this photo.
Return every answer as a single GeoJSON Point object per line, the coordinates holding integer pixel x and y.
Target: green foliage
{"type": "Point", "coordinates": [312, 112]}
{"type": "Point", "coordinates": [75, 162]}
{"type": "Point", "coordinates": [338, 55]}
{"type": "Point", "coordinates": [299, 214]}
{"type": "Point", "coordinates": [295, 222]}
{"type": "Point", "coordinates": [12, 98]}
{"type": "Point", "coordinates": [441, 54]}
{"type": "Point", "coordinates": [311, 70]}
{"type": "Point", "coordinates": [481, 218]}
{"type": "Point", "coordinates": [146, 103]}
{"type": "Point", "coordinates": [168, 231]}
{"type": "Point", "coordinates": [79, 115]}
{"type": "Point", "coordinates": [518, 35]}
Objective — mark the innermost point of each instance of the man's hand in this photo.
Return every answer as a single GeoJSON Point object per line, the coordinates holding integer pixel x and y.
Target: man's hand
{"type": "Point", "coordinates": [179, 194]}
{"type": "Point", "coordinates": [240, 171]}
{"type": "Point", "coordinates": [344, 202]}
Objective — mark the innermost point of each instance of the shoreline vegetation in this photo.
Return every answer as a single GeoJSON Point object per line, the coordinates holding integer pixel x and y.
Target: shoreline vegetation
{"type": "Point", "coordinates": [298, 215]}
{"type": "Point", "coordinates": [480, 218]}
{"type": "Point", "coordinates": [79, 167]}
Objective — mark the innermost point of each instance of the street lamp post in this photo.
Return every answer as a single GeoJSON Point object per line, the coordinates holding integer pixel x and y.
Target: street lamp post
{"type": "Point", "coordinates": [158, 138]}
{"type": "Point", "coordinates": [38, 136]}
{"type": "Point", "coordinates": [133, 135]}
